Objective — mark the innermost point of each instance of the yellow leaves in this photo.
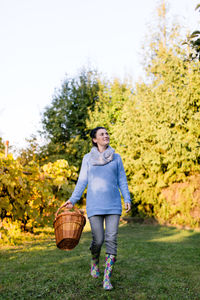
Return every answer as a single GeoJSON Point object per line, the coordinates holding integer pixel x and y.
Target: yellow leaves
{"type": "Point", "coordinates": [161, 183]}
{"type": "Point", "coordinates": [57, 168]}
{"type": "Point", "coordinates": [36, 202]}
{"type": "Point", "coordinates": [11, 191]}
{"type": "Point", "coordinates": [60, 172]}
{"type": "Point", "coordinates": [27, 193]}
{"type": "Point", "coordinates": [20, 180]}
{"type": "Point", "coordinates": [59, 180]}
{"type": "Point", "coordinates": [5, 203]}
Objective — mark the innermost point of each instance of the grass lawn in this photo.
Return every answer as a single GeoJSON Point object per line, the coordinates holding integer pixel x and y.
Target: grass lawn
{"type": "Point", "coordinates": [154, 262]}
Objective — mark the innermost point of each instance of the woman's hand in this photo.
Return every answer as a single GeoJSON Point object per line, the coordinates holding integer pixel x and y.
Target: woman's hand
{"type": "Point", "coordinates": [68, 204]}
{"type": "Point", "coordinates": [127, 207]}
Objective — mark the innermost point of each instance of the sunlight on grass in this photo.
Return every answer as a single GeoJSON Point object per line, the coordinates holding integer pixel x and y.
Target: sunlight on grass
{"type": "Point", "coordinates": [69, 259]}
{"type": "Point", "coordinates": [153, 263]}
{"type": "Point", "coordinates": [177, 237]}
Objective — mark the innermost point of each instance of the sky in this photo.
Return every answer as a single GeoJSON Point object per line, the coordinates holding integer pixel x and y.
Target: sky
{"type": "Point", "coordinates": [43, 40]}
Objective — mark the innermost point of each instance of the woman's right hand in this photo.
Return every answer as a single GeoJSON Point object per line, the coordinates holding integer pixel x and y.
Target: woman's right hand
{"type": "Point", "coordinates": [68, 204]}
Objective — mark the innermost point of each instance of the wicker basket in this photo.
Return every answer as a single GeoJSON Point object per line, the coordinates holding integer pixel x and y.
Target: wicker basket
{"type": "Point", "coordinates": [68, 227]}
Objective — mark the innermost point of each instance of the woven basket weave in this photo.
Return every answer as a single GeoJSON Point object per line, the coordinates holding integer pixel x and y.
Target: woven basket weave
{"type": "Point", "coordinates": [68, 227]}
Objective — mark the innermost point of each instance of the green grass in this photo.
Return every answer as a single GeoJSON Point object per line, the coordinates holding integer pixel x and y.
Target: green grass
{"type": "Point", "coordinates": [153, 262]}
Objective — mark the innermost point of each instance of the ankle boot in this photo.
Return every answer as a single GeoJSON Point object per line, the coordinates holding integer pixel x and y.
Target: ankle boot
{"type": "Point", "coordinates": [95, 265]}
{"type": "Point", "coordinates": [110, 260]}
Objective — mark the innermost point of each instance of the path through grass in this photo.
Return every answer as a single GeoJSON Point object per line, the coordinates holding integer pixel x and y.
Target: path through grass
{"type": "Point", "coordinates": [154, 262]}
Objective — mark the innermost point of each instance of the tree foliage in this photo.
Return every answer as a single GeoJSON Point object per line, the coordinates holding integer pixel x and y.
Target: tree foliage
{"type": "Point", "coordinates": [64, 121]}
{"type": "Point", "coordinates": [30, 153]}
{"type": "Point", "coordinates": [1, 145]}
{"type": "Point", "coordinates": [193, 41]}
{"type": "Point", "coordinates": [108, 109]}
{"type": "Point", "coordinates": [31, 194]}
{"type": "Point", "coordinates": [156, 128]}
{"type": "Point", "coordinates": [159, 132]}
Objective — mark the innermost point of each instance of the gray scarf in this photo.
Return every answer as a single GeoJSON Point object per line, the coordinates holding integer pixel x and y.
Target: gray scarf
{"type": "Point", "coordinates": [101, 158]}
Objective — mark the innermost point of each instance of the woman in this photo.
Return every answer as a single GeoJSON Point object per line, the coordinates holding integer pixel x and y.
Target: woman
{"type": "Point", "coordinates": [103, 172]}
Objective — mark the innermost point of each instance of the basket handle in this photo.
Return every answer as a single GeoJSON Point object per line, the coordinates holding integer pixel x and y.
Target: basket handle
{"type": "Point", "coordinates": [74, 208]}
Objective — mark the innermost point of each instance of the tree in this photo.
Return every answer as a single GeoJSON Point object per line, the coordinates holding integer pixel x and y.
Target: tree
{"type": "Point", "coordinates": [30, 153]}
{"type": "Point", "coordinates": [193, 41]}
{"type": "Point", "coordinates": [113, 95]}
{"type": "Point", "coordinates": [158, 133]}
{"type": "Point", "coordinates": [30, 194]}
{"type": "Point", "coordinates": [64, 121]}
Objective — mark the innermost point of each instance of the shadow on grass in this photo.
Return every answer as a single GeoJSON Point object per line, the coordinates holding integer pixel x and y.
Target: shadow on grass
{"type": "Point", "coordinates": [154, 262]}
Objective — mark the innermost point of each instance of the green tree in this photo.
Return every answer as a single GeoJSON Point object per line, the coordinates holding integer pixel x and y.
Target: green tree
{"type": "Point", "coordinates": [64, 121]}
{"type": "Point", "coordinates": [193, 41]}
{"type": "Point", "coordinates": [158, 133]}
{"type": "Point", "coordinates": [113, 95]}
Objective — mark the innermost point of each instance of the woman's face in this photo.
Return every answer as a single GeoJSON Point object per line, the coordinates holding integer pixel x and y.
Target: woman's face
{"type": "Point", "coordinates": [102, 138]}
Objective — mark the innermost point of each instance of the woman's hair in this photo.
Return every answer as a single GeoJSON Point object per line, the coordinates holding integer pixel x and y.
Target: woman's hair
{"type": "Point", "coordinates": [93, 134]}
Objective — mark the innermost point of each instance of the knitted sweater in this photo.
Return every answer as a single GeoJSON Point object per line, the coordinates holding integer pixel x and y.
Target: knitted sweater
{"type": "Point", "coordinates": [104, 183]}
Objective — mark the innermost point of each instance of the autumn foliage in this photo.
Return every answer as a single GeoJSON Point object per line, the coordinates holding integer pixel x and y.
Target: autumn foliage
{"type": "Point", "coordinates": [30, 195]}
{"type": "Point", "coordinates": [154, 125]}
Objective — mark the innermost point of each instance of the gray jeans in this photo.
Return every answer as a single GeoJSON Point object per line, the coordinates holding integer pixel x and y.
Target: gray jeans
{"type": "Point", "coordinates": [111, 230]}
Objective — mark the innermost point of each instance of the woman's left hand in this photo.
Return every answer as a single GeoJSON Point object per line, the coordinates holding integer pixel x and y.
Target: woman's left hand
{"type": "Point", "coordinates": [127, 207]}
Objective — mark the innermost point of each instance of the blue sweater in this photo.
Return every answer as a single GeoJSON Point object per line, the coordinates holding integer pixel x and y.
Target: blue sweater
{"type": "Point", "coordinates": [104, 182]}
